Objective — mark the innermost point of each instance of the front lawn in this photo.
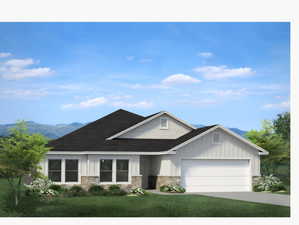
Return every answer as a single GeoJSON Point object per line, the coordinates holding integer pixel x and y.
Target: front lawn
{"type": "Point", "coordinates": [150, 206]}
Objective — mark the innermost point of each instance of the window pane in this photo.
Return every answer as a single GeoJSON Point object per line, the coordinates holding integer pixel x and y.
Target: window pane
{"type": "Point", "coordinates": [54, 170]}
{"type": "Point", "coordinates": [216, 138]}
{"type": "Point", "coordinates": [164, 122]}
{"type": "Point", "coordinates": [54, 164]}
{"type": "Point", "coordinates": [71, 170]}
{"type": "Point", "coordinates": [122, 170]}
{"type": "Point", "coordinates": [106, 170]}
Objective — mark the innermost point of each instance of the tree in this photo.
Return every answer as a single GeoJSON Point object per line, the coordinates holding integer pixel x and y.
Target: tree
{"type": "Point", "coordinates": [272, 142]}
{"type": "Point", "coordinates": [20, 155]}
{"type": "Point", "coordinates": [282, 125]}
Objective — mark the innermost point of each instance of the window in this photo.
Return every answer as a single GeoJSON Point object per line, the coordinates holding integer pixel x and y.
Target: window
{"type": "Point", "coordinates": [54, 170]}
{"type": "Point", "coordinates": [106, 170]}
{"type": "Point", "coordinates": [122, 170]}
{"type": "Point", "coordinates": [216, 138]}
{"type": "Point", "coordinates": [71, 170]}
{"type": "Point", "coordinates": [163, 123]}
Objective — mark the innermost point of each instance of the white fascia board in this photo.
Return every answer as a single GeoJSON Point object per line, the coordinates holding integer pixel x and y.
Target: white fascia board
{"type": "Point", "coordinates": [107, 153]}
{"type": "Point", "coordinates": [262, 151]}
{"type": "Point", "coordinates": [147, 120]}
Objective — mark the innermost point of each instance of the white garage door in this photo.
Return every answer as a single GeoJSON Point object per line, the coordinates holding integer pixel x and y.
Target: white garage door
{"type": "Point", "coordinates": [215, 175]}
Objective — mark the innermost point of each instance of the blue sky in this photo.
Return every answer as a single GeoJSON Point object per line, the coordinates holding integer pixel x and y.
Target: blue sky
{"type": "Point", "coordinates": [234, 74]}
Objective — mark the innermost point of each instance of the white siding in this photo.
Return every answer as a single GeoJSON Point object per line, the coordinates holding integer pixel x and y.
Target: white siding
{"type": "Point", "coordinates": [151, 130]}
{"type": "Point", "coordinates": [203, 148]}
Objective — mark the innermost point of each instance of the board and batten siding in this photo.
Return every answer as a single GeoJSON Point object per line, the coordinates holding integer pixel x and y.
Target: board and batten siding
{"type": "Point", "coordinates": [89, 164]}
{"type": "Point", "coordinates": [204, 148]}
{"type": "Point", "coordinates": [152, 130]}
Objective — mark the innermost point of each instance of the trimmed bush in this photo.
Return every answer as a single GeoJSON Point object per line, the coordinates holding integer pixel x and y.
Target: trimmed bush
{"type": "Point", "coordinates": [96, 190]}
{"type": "Point", "coordinates": [58, 188]}
{"type": "Point", "coordinates": [269, 183]}
{"type": "Point", "coordinates": [114, 187]}
{"type": "Point", "coordinates": [116, 192]}
{"type": "Point", "coordinates": [76, 191]}
{"type": "Point", "coordinates": [138, 191]}
{"type": "Point", "coordinates": [172, 188]}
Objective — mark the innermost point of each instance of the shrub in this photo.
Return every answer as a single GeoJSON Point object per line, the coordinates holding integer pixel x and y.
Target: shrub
{"type": "Point", "coordinates": [96, 190]}
{"type": "Point", "coordinates": [172, 188]}
{"type": "Point", "coordinates": [118, 192]}
{"type": "Point", "coordinates": [138, 191]}
{"type": "Point", "coordinates": [76, 191]}
{"type": "Point", "coordinates": [41, 188]}
{"type": "Point", "coordinates": [268, 183]}
{"type": "Point", "coordinates": [114, 187]}
{"type": "Point", "coordinates": [58, 188]}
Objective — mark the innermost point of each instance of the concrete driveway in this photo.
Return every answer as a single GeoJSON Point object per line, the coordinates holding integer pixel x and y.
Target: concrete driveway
{"type": "Point", "coordinates": [260, 197]}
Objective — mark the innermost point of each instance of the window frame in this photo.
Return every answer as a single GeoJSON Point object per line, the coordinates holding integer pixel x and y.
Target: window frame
{"type": "Point", "coordinates": [105, 182]}
{"type": "Point", "coordinates": [166, 127]}
{"type": "Point", "coordinates": [122, 171]}
{"type": "Point", "coordinates": [63, 168]}
{"type": "Point", "coordinates": [213, 138]}
{"type": "Point", "coordinates": [57, 170]}
{"type": "Point", "coordinates": [114, 170]}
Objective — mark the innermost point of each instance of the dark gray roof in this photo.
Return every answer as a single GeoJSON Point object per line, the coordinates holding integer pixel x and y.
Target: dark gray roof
{"type": "Point", "coordinates": [92, 137]}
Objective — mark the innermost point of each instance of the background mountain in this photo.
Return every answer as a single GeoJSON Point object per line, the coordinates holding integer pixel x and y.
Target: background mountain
{"type": "Point", "coordinates": [50, 131]}
{"type": "Point", "coordinates": [58, 130]}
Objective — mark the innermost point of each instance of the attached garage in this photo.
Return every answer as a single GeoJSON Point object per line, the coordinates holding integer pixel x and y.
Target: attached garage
{"type": "Point", "coordinates": [216, 175]}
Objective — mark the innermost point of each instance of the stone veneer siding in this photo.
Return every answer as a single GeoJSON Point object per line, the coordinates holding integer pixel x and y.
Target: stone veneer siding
{"type": "Point", "coordinates": [87, 181]}
{"type": "Point", "coordinates": [165, 180]}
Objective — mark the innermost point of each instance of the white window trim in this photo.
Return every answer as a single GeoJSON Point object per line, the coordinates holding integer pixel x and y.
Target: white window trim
{"type": "Point", "coordinates": [63, 169]}
{"type": "Point", "coordinates": [213, 140]}
{"type": "Point", "coordinates": [163, 128]}
{"type": "Point", "coordinates": [114, 170]}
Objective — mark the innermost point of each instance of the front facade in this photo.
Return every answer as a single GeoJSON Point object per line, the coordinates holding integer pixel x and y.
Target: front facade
{"type": "Point", "coordinates": [135, 151]}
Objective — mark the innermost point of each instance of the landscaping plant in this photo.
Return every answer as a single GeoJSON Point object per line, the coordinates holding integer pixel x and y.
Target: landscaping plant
{"type": "Point", "coordinates": [41, 187]}
{"type": "Point", "coordinates": [269, 183]}
{"type": "Point", "coordinates": [20, 155]}
{"type": "Point", "coordinates": [172, 188]}
{"type": "Point", "coordinates": [96, 190]}
{"type": "Point", "coordinates": [138, 191]}
{"type": "Point", "coordinates": [76, 191]}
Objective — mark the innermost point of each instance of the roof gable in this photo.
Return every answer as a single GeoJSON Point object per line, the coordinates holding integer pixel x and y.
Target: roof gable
{"type": "Point", "coordinates": [147, 120]}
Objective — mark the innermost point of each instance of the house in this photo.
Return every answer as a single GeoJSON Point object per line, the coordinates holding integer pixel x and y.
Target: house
{"type": "Point", "coordinates": [135, 151]}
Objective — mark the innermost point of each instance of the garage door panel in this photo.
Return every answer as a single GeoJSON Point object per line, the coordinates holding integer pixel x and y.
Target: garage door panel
{"type": "Point", "coordinates": [202, 175]}
{"type": "Point", "coordinates": [208, 181]}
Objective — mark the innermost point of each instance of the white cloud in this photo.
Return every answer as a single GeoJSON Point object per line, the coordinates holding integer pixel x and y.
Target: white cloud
{"type": "Point", "coordinates": [221, 72]}
{"type": "Point", "coordinates": [180, 79]}
{"type": "Point", "coordinates": [145, 60]}
{"type": "Point", "coordinates": [16, 69]}
{"type": "Point", "coordinates": [4, 54]}
{"type": "Point", "coordinates": [116, 101]}
{"type": "Point", "coordinates": [87, 104]}
{"type": "Point", "coordinates": [228, 92]}
{"type": "Point", "coordinates": [281, 105]}
{"type": "Point", "coordinates": [23, 93]}
{"type": "Point", "coordinates": [130, 58]}
{"type": "Point", "coordinates": [19, 63]}
{"type": "Point", "coordinates": [141, 104]}
{"type": "Point", "coordinates": [206, 55]}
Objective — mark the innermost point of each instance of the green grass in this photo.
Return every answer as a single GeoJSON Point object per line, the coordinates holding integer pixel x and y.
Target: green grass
{"type": "Point", "coordinates": [152, 206]}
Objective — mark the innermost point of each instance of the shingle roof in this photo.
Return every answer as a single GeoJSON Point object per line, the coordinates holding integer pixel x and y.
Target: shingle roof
{"type": "Point", "coordinates": [92, 137]}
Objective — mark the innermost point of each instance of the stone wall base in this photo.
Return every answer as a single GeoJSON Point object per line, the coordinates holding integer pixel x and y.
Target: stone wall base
{"type": "Point", "coordinates": [165, 180]}
{"type": "Point", "coordinates": [87, 181]}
